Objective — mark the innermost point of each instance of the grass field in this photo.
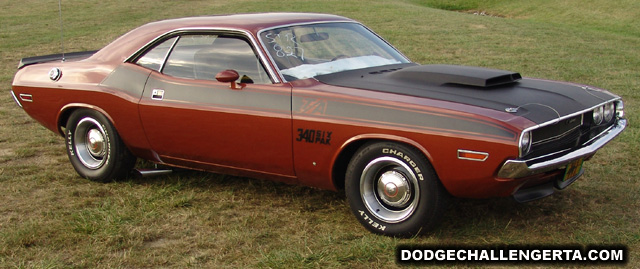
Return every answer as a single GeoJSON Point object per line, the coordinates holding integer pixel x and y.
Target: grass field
{"type": "Point", "coordinates": [51, 218]}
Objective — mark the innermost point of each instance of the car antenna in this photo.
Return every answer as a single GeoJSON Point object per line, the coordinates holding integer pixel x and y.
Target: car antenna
{"type": "Point", "coordinates": [61, 29]}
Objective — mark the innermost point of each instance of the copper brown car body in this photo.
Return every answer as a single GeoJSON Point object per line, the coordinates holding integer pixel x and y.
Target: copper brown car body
{"type": "Point", "coordinates": [313, 130]}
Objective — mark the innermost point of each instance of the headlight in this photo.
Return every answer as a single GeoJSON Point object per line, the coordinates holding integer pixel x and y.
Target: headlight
{"type": "Point", "coordinates": [598, 115]}
{"type": "Point", "coordinates": [609, 111]}
{"type": "Point", "coordinates": [525, 143]}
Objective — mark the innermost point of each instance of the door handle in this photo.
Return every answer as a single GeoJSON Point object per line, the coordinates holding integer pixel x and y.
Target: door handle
{"type": "Point", "coordinates": [157, 94]}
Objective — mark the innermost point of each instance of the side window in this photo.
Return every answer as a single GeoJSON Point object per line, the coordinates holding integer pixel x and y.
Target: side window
{"type": "Point", "coordinates": [154, 58]}
{"type": "Point", "coordinates": [204, 56]}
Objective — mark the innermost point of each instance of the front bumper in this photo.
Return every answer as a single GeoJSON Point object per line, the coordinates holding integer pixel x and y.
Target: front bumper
{"type": "Point", "coordinates": [524, 168]}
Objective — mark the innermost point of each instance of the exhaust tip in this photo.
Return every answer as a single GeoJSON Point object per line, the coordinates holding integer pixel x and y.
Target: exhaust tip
{"type": "Point", "coordinates": [152, 172]}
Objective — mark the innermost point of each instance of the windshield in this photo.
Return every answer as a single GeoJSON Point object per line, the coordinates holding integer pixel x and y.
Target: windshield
{"type": "Point", "coordinates": [306, 51]}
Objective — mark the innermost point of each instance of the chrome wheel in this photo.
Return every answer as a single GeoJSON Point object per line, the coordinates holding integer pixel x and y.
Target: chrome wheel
{"type": "Point", "coordinates": [389, 189]}
{"type": "Point", "coordinates": [91, 143]}
{"type": "Point", "coordinates": [95, 148]}
{"type": "Point", "coordinates": [392, 189]}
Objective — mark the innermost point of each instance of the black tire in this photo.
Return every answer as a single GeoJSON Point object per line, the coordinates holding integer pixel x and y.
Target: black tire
{"type": "Point", "coordinates": [94, 147]}
{"type": "Point", "coordinates": [393, 190]}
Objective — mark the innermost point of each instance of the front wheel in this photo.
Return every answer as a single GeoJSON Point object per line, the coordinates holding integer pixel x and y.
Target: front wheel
{"type": "Point", "coordinates": [393, 190]}
{"type": "Point", "coordinates": [95, 148]}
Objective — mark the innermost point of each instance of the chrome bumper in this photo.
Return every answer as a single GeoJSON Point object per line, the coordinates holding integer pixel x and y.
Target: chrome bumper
{"type": "Point", "coordinates": [523, 168]}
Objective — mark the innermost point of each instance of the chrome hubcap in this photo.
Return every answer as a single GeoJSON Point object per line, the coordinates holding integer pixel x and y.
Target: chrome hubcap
{"type": "Point", "coordinates": [389, 189]}
{"type": "Point", "coordinates": [95, 143]}
{"type": "Point", "coordinates": [394, 189]}
{"type": "Point", "coordinates": [90, 143]}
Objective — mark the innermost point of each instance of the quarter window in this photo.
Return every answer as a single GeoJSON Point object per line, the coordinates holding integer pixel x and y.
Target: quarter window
{"type": "Point", "coordinates": [154, 58]}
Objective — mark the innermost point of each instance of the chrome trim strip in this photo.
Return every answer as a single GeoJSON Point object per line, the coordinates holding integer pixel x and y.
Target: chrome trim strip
{"type": "Point", "coordinates": [274, 75]}
{"type": "Point", "coordinates": [533, 160]}
{"type": "Point", "coordinates": [522, 151]}
{"type": "Point", "coordinates": [25, 97]}
{"type": "Point", "coordinates": [385, 41]}
{"type": "Point", "coordinates": [554, 121]}
{"type": "Point", "coordinates": [520, 168]}
{"type": "Point", "coordinates": [619, 108]}
{"type": "Point", "coordinates": [486, 155]}
{"type": "Point", "coordinates": [166, 56]}
{"type": "Point", "coordinates": [16, 99]}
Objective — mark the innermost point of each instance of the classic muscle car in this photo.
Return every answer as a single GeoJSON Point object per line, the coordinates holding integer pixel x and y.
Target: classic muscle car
{"type": "Point", "coordinates": [318, 100]}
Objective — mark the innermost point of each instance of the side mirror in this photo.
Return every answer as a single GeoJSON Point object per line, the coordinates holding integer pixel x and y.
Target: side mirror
{"type": "Point", "coordinates": [229, 76]}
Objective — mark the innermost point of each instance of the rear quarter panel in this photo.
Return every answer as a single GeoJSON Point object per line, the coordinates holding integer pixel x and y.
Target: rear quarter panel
{"type": "Point", "coordinates": [81, 85]}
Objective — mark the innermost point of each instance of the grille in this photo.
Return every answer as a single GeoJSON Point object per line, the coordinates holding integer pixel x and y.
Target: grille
{"type": "Point", "coordinates": [557, 143]}
{"type": "Point", "coordinates": [557, 131]}
{"type": "Point", "coordinates": [566, 134]}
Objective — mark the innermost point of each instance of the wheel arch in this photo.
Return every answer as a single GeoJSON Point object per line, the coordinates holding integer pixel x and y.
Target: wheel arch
{"type": "Point", "coordinates": [67, 110]}
{"type": "Point", "coordinates": [351, 146]}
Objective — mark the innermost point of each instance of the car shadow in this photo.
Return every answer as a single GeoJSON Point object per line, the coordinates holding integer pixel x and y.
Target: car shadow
{"type": "Point", "coordinates": [463, 216]}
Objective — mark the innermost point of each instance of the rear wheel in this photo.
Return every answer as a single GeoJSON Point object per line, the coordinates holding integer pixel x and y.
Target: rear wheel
{"type": "Point", "coordinates": [393, 190]}
{"type": "Point", "coordinates": [95, 148]}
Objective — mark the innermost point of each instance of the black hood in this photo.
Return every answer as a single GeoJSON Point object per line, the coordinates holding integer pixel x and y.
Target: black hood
{"type": "Point", "coordinates": [537, 100]}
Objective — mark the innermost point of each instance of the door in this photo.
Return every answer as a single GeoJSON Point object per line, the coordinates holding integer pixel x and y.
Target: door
{"type": "Point", "coordinates": [192, 119]}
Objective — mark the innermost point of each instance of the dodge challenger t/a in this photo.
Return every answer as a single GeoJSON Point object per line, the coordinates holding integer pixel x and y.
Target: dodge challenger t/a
{"type": "Point", "coordinates": [318, 100]}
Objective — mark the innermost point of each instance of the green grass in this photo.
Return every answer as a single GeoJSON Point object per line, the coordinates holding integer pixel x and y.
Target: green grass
{"type": "Point", "coordinates": [620, 16]}
{"type": "Point", "coordinates": [51, 218]}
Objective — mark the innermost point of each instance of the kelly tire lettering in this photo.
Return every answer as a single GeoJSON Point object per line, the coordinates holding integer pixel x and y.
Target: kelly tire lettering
{"type": "Point", "coordinates": [94, 147]}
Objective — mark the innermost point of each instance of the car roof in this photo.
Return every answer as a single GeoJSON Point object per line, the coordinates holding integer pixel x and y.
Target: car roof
{"type": "Point", "coordinates": [129, 43]}
{"type": "Point", "coordinates": [252, 22]}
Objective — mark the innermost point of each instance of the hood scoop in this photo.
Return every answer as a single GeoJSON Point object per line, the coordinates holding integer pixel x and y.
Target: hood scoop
{"type": "Point", "coordinates": [538, 100]}
{"type": "Point", "coordinates": [454, 74]}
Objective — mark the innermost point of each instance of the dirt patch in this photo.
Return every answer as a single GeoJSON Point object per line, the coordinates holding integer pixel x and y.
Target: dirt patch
{"type": "Point", "coordinates": [6, 153]}
{"type": "Point", "coordinates": [482, 13]}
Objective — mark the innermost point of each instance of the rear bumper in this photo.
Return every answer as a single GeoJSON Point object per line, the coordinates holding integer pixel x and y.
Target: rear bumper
{"type": "Point", "coordinates": [15, 98]}
{"type": "Point", "coordinates": [524, 168]}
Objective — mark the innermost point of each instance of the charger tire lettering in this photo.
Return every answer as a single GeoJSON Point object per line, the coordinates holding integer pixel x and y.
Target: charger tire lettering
{"type": "Point", "coordinates": [408, 159]}
{"type": "Point", "coordinates": [424, 197]}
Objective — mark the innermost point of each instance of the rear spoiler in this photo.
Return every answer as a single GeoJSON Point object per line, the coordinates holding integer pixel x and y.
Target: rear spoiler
{"type": "Point", "coordinates": [48, 58]}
